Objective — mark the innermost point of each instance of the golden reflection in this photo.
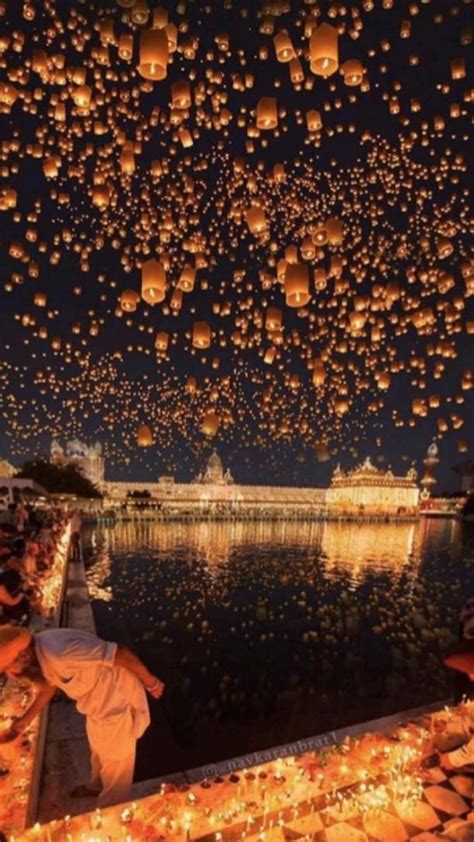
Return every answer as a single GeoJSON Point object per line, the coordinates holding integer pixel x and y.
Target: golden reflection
{"type": "Point", "coordinates": [354, 549]}
{"type": "Point", "coordinates": [349, 549]}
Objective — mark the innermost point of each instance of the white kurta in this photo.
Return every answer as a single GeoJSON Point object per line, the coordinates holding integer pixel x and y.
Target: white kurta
{"type": "Point", "coordinates": [111, 697]}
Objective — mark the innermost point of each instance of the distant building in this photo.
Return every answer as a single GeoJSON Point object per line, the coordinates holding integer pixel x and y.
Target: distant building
{"type": "Point", "coordinates": [366, 491]}
{"type": "Point", "coordinates": [213, 491]}
{"type": "Point", "coordinates": [431, 462]}
{"type": "Point", "coordinates": [89, 460]}
{"type": "Point", "coordinates": [363, 492]}
{"type": "Point", "coordinates": [213, 473]}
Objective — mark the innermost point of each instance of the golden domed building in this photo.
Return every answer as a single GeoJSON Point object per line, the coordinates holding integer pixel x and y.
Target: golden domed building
{"type": "Point", "coordinates": [214, 473]}
{"type": "Point", "coordinates": [366, 491]}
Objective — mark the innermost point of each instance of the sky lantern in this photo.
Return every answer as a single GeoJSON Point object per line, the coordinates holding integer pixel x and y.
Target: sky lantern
{"type": "Point", "coordinates": [297, 285]}
{"type": "Point", "coordinates": [181, 94]}
{"type": "Point", "coordinates": [129, 300]}
{"type": "Point", "coordinates": [210, 423]}
{"type": "Point", "coordinates": [140, 12]}
{"type": "Point", "coordinates": [284, 49]}
{"type": "Point", "coordinates": [82, 96]}
{"type": "Point", "coordinates": [162, 341]}
{"type": "Point", "coordinates": [296, 71]}
{"type": "Point", "coordinates": [101, 196]}
{"type": "Point", "coordinates": [256, 219]}
{"type": "Point", "coordinates": [314, 121]}
{"type": "Point", "coordinates": [187, 279]}
{"type": "Point", "coordinates": [267, 114]}
{"type": "Point", "coordinates": [353, 72]}
{"type": "Point", "coordinates": [458, 69]}
{"type": "Point", "coordinates": [201, 335]}
{"type": "Point", "coordinates": [144, 436]}
{"type": "Point", "coordinates": [154, 54]}
{"type": "Point", "coordinates": [335, 230]}
{"type": "Point", "coordinates": [8, 96]}
{"type": "Point", "coordinates": [308, 249]}
{"type": "Point", "coordinates": [160, 17]}
{"type": "Point", "coordinates": [319, 373]}
{"type": "Point", "coordinates": [153, 282]}
{"type": "Point", "coordinates": [273, 319]}
{"type": "Point", "coordinates": [320, 278]}
{"type": "Point", "coordinates": [8, 198]}
{"type": "Point", "coordinates": [324, 51]}
{"type": "Point", "coordinates": [320, 234]}
{"type": "Point", "coordinates": [125, 46]}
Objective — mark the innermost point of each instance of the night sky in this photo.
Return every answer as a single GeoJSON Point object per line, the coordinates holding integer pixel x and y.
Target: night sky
{"type": "Point", "coordinates": [390, 161]}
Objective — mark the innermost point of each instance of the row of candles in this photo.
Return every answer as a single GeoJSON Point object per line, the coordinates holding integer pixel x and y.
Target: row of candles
{"type": "Point", "coordinates": [17, 759]}
{"type": "Point", "coordinates": [362, 776]}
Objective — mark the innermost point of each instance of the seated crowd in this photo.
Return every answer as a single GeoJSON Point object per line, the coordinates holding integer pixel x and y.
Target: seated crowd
{"type": "Point", "coordinates": [28, 541]}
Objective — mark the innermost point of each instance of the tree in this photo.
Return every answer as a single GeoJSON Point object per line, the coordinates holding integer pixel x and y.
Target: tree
{"type": "Point", "coordinates": [59, 479]}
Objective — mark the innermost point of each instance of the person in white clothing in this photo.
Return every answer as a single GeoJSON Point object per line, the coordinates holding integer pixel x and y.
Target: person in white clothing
{"type": "Point", "coordinates": [461, 658]}
{"type": "Point", "coordinates": [107, 682]}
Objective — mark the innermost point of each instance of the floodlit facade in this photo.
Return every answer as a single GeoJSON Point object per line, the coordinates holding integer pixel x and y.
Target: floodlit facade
{"type": "Point", "coordinates": [366, 490]}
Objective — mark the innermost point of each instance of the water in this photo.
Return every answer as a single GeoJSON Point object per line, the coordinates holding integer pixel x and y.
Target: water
{"type": "Point", "coordinates": [267, 633]}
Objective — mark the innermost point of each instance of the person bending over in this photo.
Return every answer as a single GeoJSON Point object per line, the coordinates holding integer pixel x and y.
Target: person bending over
{"type": "Point", "coordinates": [107, 682]}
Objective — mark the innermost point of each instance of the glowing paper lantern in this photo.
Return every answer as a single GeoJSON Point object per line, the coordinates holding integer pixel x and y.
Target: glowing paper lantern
{"type": "Point", "coordinates": [210, 423]}
{"type": "Point", "coordinates": [313, 121]}
{"type": "Point", "coordinates": [283, 47]}
{"type": "Point", "coordinates": [154, 54]}
{"type": "Point", "coordinates": [140, 12]}
{"type": "Point", "coordinates": [267, 114]}
{"type": "Point", "coordinates": [201, 335]}
{"type": "Point", "coordinates": [297, 285]}
{"type": "Point", "coordinates": [144, 436]}
{"type": "Point", "coordinates": [273, 319]}
{"type": "Point", "coordinates": [458, 69]}
{"type": "Point", "coordinates": [335, 231]}
{"type": "Point", "coordinates": [256, 219]}
{"type": "Point", "coordinates": [153, 282]}
{"type": "Point", "coordinates": [324, 52]}
{"type": "Point", "coordinates": [129, 300]}
{"type": "Point", "coordinates": [187, 279]}
{"type": "Point", "coordinates": [82, 96]}
{"type": "Point", "coordinates": [353, 72]}
{"type": "Point", "coordinates": [162, 341]}
{"type": "Point", "coordinates": [125, 46]}
{"type": "Point", "coordinates": [181, 94]}
{"type": "Point", "coordinates": [39, 299]}
{"type": "Point", "coordinates": [8, 95]}
{"type": "Point", "coordinates": [319, 373]}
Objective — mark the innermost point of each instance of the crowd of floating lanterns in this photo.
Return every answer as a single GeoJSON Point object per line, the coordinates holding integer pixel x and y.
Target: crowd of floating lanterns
{"type": "Point", "coordinates": [259, 209]}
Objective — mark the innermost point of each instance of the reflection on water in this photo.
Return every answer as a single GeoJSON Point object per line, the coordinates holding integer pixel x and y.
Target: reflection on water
{"type": "Point", "coordinates": [267, 632]}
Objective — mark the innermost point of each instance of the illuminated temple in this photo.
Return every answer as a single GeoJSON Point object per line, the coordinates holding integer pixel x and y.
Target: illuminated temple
{"type": "Point", "coordinates": [365, 491]}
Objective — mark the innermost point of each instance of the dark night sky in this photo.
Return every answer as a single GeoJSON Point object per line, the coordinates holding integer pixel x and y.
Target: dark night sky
{"type": "Point", "coordinates": [46, 392]}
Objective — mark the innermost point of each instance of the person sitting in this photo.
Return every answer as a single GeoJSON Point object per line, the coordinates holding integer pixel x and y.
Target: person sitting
{"type": "Point", "coordinates": [461, 658]}
{"type": "Point", "coordinates": [14, 602]}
